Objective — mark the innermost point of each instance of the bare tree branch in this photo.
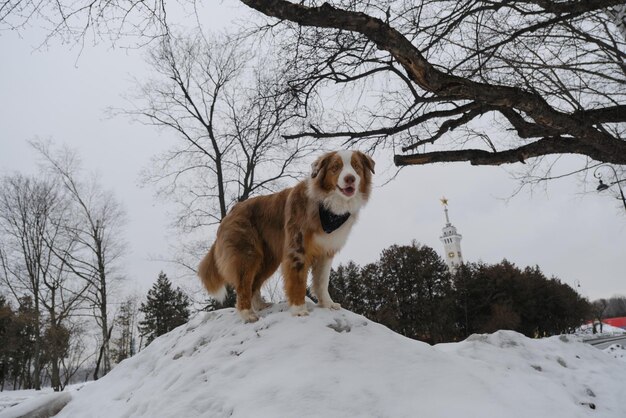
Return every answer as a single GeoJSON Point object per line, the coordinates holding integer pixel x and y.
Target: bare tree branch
{"type": "Point", "coordinates": [530, 114]}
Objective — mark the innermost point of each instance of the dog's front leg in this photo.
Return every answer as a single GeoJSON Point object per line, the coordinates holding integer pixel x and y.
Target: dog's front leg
{"type": "Point", "coordinates": [295, 270]}
{"type": "Point", "coordinates": [321, 276]}
{"type": "Point", "coordinates": [295, 274]}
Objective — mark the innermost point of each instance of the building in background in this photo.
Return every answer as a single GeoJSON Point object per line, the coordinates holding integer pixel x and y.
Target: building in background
{"type": "Point", "coordinates": [451, 240]}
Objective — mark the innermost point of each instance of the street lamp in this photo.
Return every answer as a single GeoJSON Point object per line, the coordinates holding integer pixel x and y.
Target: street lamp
{"type": "Point", "coordinates": [603, 186]}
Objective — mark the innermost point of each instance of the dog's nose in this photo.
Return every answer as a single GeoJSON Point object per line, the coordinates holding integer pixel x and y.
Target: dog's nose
{"type": "Point", "coordinates": [349, 179]}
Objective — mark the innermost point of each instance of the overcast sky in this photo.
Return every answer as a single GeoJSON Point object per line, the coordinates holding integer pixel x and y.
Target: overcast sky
{"type": "Point", "coordinates": [56, 93]}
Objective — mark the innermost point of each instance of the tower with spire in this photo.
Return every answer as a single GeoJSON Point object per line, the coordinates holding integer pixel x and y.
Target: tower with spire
{"type": "Point", "coordinates": [451, 240]}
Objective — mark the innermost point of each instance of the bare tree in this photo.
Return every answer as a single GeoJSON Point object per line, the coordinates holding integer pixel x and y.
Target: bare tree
{"type": "Point", "coordinates": [61, 294]}
{"type": "Point", "coordinates": [32, 214]}
{"type": "Point", "coordinates": [486, 82]}
{"type": "Point", "coordinates": [24, 215]}
{"type": "Point", "coordinates": [76, 355]}
{"type": "Point", "coordinates": [598, 309]}
{"type": "Point", "coordinates": [230, 146]}
{"type": "Point", "coordinates": [96, 230]}
{"type": "Point", "coordinates": [550, 75]}
{"type": "Point", "coordinates": [74, 20]}
{"type": "Point", "coordinates": [273, 288]}
{"type": "Point", "coordinates": [616, 307]}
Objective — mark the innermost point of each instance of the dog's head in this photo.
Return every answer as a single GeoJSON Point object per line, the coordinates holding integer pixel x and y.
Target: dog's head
{"type": "Point", "coordinates": [343, 179]}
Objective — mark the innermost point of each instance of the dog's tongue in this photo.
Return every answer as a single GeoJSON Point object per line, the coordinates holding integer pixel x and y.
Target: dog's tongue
{"type": "Point", "coordinates": [348, 191]}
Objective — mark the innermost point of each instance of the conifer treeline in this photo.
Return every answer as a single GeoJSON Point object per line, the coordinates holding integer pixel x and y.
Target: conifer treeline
{"type": "Point", "coordinates": [410, 290]}
{"type": "Point", "coordinates": [17, 329]}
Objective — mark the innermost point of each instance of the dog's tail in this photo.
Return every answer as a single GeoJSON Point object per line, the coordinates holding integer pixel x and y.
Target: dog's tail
{"type": "Point", "coordinates": [210, 276]}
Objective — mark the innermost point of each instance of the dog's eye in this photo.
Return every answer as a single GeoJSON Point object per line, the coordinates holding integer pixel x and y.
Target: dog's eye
{"type": "Point", "coordinates": [335, 168]}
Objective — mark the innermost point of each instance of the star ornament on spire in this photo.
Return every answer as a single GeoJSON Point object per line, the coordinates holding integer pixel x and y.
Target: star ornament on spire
{"type": "Point", "coordinates": [444, 201]}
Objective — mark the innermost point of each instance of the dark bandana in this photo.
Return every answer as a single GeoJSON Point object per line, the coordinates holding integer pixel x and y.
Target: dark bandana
{"type": "Point", "coordinates": [331, 221]}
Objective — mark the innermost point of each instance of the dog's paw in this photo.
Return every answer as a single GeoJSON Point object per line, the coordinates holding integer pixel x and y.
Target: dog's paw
{"type": "Point", "coordinates": [299, 310]}
{"type": "Point", "coordinates": [248, 315]}
{"type": "Point", "coordinates": [330, 305]}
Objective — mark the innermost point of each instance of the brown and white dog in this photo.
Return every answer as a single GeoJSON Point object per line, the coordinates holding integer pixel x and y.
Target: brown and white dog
{"type": "Point", "coordinates": [302, 228]}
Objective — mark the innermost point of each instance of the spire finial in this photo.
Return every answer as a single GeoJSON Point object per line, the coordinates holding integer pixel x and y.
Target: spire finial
{"type": "Point", "coordinates": [444, 202]}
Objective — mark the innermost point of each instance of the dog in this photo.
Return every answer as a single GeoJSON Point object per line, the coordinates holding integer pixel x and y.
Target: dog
{"type": "Point", "coordinates": [299, 228]}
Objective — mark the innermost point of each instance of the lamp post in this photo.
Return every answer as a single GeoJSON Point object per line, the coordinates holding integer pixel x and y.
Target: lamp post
{"type": "Point", "coordinates": [603, 186]}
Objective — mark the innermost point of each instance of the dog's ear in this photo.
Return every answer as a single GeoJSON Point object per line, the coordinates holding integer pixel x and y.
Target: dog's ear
{"type": "Point", "coordinates": [319, 165]}
{"type": "Point", "coordinates": [367, 162]}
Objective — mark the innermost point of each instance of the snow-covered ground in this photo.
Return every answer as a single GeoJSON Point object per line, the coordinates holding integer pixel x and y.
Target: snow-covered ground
{"type": "Point", "coordinates": [607, 331]}
{"type": "Point", "coordinates": [10, 398]}
{"type": "Point", "coordinates": [617, 351]}
{"type": "Point", "coordinates": [339, 364]}
{"type": "Point", "coordinates": [42, 405]}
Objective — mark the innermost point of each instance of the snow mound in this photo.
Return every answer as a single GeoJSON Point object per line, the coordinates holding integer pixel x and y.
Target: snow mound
{"type": "Point", "coordinates": [339, 364]}
{"type": "Point", "coordinates": [39, 406]}
{"type": "Point", "coordinates": [12, 398]}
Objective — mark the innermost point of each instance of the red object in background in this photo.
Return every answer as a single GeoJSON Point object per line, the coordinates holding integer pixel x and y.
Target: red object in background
{"type": "Point", "coordinates": [619, 322]}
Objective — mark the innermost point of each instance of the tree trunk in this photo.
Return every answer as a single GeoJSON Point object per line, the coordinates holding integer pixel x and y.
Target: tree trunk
{"type": "Point", "coordinates": [54, 350]}
{"type": "Point", "coordinates": [37, 348]}
{"type": "Point", "coordinates": [95, 372]}
{"type": "Point", "coordinates": [55, 378]}
{"type": "Point", "coordinates": [101, 355]}
{"type": "Point", "coordinates": [104, 355]}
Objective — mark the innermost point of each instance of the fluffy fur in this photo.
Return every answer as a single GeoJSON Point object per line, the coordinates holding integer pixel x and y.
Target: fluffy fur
{"type": "Point", "coordinates": [284, 229]}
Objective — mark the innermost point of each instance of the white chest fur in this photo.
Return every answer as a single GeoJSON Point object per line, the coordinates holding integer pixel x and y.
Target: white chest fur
{"type": "Point", "coordinates": [334, 241]}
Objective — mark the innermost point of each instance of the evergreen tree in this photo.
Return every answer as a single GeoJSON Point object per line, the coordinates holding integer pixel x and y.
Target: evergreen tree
{"type": "Point", "coordinates": [372, 299]}
{"type": "Point", "coordinates": [7, 325]}
{"type": "Point", "coordinates": [337, 285]}
{"type": "Point", "coordinates": [17, 330]}
{"type": "Point", "coordinates": [56, 345]}
{"type": "Point", "coordinates": [165, 309]}
{"type": "Point", "coordinates": [25, 337]}
{"type": "Point", "coordinates": [346, 287]}
{"type": "Point", "coordinates": [415, 287]}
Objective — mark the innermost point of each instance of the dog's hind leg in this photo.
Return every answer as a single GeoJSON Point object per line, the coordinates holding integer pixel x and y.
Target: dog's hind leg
{"type": "Point", "coordinates": [268, 268]}
{"type": "Point", "coordinates": [245, 268]}
{"type": "Point", "coordinates": [244, 298]}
